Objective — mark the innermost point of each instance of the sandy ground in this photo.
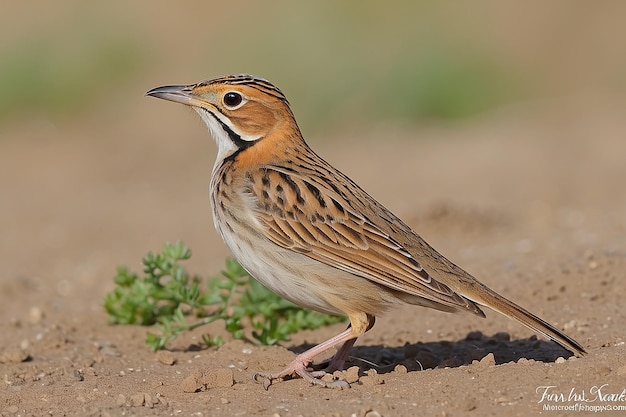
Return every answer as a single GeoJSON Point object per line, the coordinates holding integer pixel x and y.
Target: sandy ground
{"type": "Point", "coordinates": [530, 199]}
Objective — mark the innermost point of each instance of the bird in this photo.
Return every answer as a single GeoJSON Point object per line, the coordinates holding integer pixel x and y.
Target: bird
{"type": "Point", "coordinates": [312, 235]}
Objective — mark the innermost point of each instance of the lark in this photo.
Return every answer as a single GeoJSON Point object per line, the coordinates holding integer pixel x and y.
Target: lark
{"type": "Point", "coordinates": [312, 235]}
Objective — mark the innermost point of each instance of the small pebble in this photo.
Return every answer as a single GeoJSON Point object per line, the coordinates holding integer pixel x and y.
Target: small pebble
{"type": "Point", "coordinates": [78, 375]}
{"type": "Point", "coordinates": [165, 357]}
{"type": "Point", "coordinates": [488, 360]}
{"type": "Point", "coordinates": [351, 375]}
{"type": "Point", "coordinates": [372, 378]}
{"type": "Point", "coordinates": [24, 344]}
{"type": "Point", "coordinates": [120, 400]}
{"type": "Point", "coordinates": [35, 315]}
{"type": "Point", "coordinates": [400, 369]}
{"type": "Point", "coordinates": [137, 400]}
{"type": "Point", "coordinates": [328, 377]}
{"type": "Point", "coordinates": [560, 359]}
{"type": "Point", "coordinates": [192, 383]}
{"type": "Point", "coordinates": [373, 413]}
{"type": "Point", "coordinates": [14, 355]}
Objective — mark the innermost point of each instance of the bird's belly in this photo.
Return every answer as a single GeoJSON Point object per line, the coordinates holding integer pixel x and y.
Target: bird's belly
{"type": "Point", "coordinates": [289, 274]}
{"type": "Point", "coordinates": [293, 275]}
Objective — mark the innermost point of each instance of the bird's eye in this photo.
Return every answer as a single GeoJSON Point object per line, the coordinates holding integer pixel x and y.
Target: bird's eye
{"type": "Point", "coordinates": [232, 99]}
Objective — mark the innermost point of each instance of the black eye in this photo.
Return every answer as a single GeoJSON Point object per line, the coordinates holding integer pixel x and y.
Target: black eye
{"type": "Point", "coordinates": [232, 99]}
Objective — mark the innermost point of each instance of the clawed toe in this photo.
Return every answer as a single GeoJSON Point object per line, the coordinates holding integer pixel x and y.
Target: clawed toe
{"type": "Point", "coordinates": [318, 374]}
{"type": "Point", "coordinates": [266, 379]}
{"type": "Point", "coordinates": [312, 377]}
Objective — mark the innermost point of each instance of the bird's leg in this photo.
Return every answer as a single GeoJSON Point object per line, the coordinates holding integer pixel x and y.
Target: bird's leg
{"type": "Point", "coordinates": [299, 365]}
{"type": "Point", "coordinates": [359, 324]}
{"type": "Point", "coordinates": [338, 360]}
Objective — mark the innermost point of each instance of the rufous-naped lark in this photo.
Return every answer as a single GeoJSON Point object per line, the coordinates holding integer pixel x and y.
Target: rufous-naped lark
{"type": "Point", "coordinates": [311, 234]}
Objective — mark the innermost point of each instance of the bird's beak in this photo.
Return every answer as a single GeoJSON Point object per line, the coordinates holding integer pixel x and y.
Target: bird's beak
{"type": "Point", "coordinates": [177, 93]}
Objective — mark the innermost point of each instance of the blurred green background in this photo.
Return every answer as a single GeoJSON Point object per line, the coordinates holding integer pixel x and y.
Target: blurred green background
{"type": "Point", "coordinates": [339, 63]}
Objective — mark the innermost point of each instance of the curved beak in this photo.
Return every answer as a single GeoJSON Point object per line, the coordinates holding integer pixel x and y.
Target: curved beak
{"type": "Point", "coordinates": [177, 93]}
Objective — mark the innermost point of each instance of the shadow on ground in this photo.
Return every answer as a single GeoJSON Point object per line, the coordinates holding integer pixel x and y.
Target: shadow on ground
{"type": "Point", "coordinates": [451, 354]}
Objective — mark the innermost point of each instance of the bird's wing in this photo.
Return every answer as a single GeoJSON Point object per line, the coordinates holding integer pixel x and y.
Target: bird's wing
{"type": "Point", "coordinates": [310, 215]}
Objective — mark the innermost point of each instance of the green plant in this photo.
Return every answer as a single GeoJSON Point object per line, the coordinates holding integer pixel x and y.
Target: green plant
{"type": "Point", "coordinates": [168, 296]}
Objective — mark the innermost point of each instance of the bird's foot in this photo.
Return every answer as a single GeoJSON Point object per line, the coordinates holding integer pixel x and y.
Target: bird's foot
{"type": "Point", "coordinates": [300, 366]}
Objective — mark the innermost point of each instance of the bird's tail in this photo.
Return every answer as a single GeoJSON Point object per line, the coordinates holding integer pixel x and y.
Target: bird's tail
{"type": "Point", "coordinates": [508, 308]}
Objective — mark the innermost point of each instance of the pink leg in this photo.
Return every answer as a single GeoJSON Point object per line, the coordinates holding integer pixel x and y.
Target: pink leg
{"type": "Point", "coordinates": [337, 362]}
{"type": "Point", "coordinates": [359, 324]}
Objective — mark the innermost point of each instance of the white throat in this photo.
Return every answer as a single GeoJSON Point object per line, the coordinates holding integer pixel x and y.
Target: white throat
{"type": "Point", "coordinates": [225, 146]}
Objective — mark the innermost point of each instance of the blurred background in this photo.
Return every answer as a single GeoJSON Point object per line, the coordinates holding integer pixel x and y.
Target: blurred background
{"type": "Point", "coordinates": [472, 94]}
{"type": "Point", "coordinates": [340, 63]}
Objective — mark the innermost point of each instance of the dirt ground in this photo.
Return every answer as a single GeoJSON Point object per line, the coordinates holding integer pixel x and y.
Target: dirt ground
{"type": "Point", "coordinates": [531, 200]}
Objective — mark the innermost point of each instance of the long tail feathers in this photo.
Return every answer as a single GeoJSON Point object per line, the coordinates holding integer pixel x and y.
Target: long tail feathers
{"type": "Point", "coordinates": [510, 309]}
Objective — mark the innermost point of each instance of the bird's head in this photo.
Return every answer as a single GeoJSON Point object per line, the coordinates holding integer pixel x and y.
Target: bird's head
{"type": "Point", "coordinates": [239, 110]}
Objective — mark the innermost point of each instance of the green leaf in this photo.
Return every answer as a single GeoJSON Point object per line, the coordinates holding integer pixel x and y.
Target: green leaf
{"type": "Point", "coordinates": [168, 296]}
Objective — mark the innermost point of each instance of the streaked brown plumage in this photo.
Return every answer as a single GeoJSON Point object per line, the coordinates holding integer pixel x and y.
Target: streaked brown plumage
{"type": "Point", "coordinates": [310, 234]}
